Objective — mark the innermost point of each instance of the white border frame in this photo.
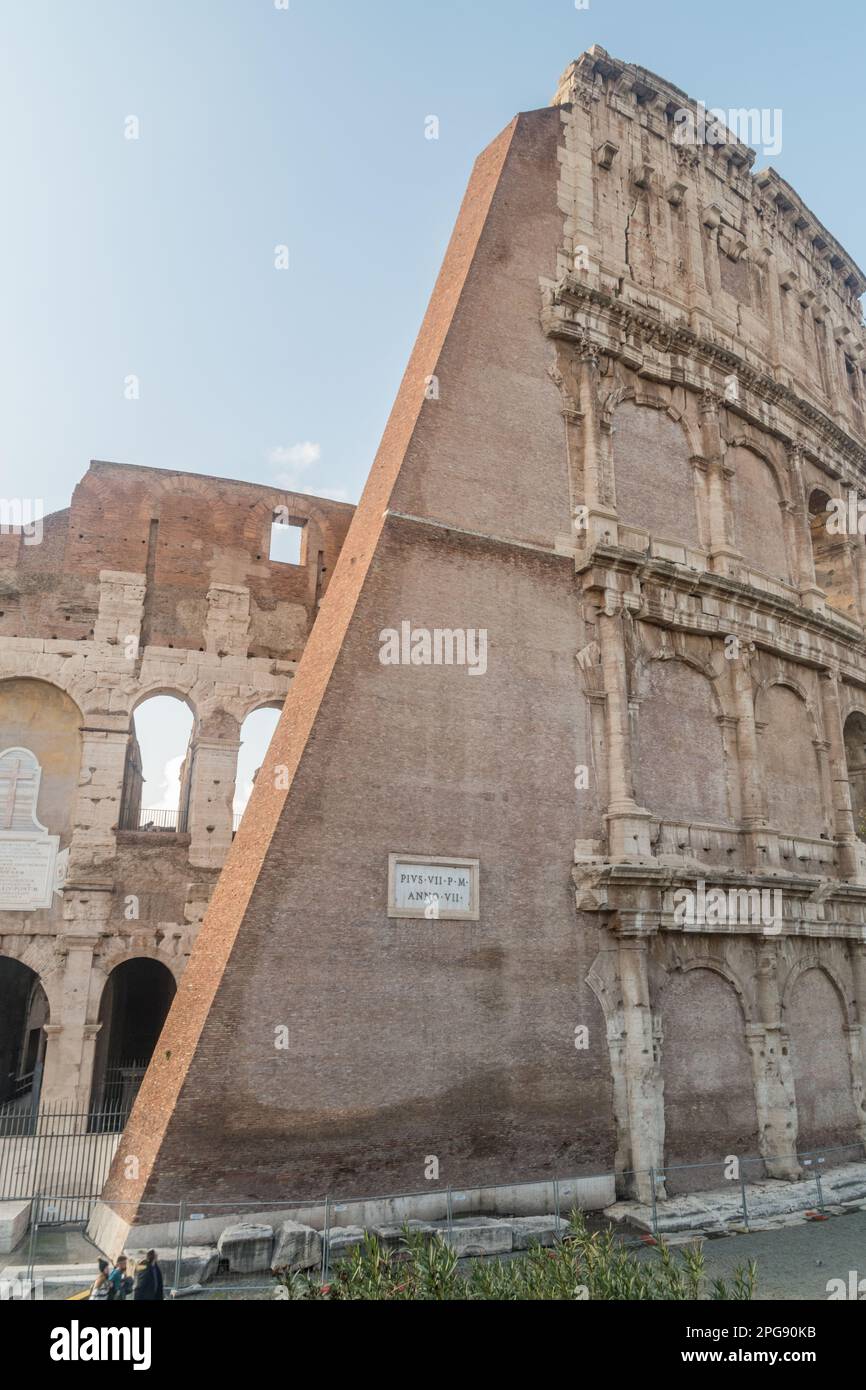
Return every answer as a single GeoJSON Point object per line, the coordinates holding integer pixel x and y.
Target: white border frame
{"type": "Point", "coordinates": [426, 860]}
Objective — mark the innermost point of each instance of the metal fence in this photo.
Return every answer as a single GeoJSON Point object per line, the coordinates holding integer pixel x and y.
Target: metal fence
{"type": "Point", "coordinates": [120, 1085]}
{"type": "Point", "coordinates": [204, 1255]}
{"type": "Point", "coordinates": [158, 818]}
{"type": "Point", "coordinates": [58, 1150]}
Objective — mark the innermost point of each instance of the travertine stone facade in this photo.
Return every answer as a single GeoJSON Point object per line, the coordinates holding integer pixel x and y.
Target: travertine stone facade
{"type": "Point", "coordinates": [709, 354]}
{"type": "Point", "coordinates": [650, 389]}
{"type": "Point", "coordinates": [153, 582]}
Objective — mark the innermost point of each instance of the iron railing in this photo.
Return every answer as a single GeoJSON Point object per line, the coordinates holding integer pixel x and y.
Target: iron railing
{"type": "Point", "coordinates": [61, 1150]}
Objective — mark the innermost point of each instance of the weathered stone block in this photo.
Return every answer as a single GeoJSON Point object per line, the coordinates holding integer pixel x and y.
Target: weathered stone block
{"type": "Point", "coordinates": [343, 1239]}
{"type": "Point", "coordinates": [392, 1238]}
{"type": "Point", "coordinates": [297, 1247]}
{"type": "Point", "coordinates": [14, 1221]}
{"type": "Point", "coordinates": [480, 1235]}
{"type": "Point", "coordinates": [247, 1248]}
{"type": "Point", "coordinates": [198, 1264]}
{"type": "Point", "coordinates": [535, 1230]}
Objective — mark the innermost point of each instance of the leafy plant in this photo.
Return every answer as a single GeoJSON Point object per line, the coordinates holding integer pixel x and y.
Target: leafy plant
{"type": "Point", "coordinates": [583, 1265]}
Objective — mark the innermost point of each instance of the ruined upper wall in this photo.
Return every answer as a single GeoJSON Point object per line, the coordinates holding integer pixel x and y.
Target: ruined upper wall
{"type": "Point", "coordinates": [189, 536]}
{"type": "Point", "coordinates": [664, 215]}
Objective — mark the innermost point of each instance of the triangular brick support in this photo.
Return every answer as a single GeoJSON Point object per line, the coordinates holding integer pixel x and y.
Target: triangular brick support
{"type": "Point", "coordinates": [318, 1042]}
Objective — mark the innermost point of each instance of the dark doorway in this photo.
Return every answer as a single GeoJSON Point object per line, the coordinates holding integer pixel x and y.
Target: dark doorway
{"type": "Point", "coordinates": [135, 1003]}
{"type": "Point", "coordinates": [23, 1014]}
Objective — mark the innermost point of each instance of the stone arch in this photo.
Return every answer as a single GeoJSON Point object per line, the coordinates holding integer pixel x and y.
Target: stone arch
{"type": "Point", "coordinates": [760, 509]}
{"type": "Point", "coordinates": [25, 1008]}
{"type": "Point", "coordinates": [817, 1017]}
{"type": "Point", "coordinates": [40, 717]}
{"type": "Point", "coordinates": [318, 523]}
{"type": "Point", "coordinates": [802, 966]}
{"type": "Point", "coordinates": [854, 730]}
{"type": "Point", "coordinates": [709, 1094]}
{"type": "Point", "coordinates": [156, 688]}
{"type": "Point", "coordinates": [15, 666]}
{"type": "Point", "coordinates": [831, 556]}
{"type": "Point", "coordinates": [110, 960]}
{"type": "Point", "coordinates": [136, 995]}
{"type": "Point", "coordinates": [135, 776]}
{"type": "Point", "coordinates": [704, 961]}
{"type": "Point", "coordinates": [654, 399]}
{"type": "Point", "coordinates": [653, 472]}
{"type": "Point", "coordinates": [779, 470]}
{"type": "Point", "coordinates": [248, 707]}
{"type": "Point", "coordinates": [789, 737]}
{"type": "Point", "coordinates": [38, 954]}
{"type": "Point", "coordinates": [255, 737]}
{"type": "Point", "coordinates": [681, 766]}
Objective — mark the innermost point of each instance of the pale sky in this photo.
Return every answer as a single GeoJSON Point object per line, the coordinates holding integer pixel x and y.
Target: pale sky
{"type": "Point", "coordinates": [304, 128]}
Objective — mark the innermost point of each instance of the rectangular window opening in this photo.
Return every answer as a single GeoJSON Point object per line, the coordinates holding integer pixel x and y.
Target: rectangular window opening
{"type": "Point", "coordinates": [287, 542]}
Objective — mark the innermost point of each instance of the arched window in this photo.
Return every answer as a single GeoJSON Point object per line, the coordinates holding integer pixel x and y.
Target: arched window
{"type": "Point", "coordinates": [681, 763]}
{"type": "Point", "coordinates": [655, 490]}
{"type": "Point", "coordinates": [158, 770]}
{"type": "Point", "coordinates": [831, 556]}
{"type": "Point", "coordinates": [759, 521]}
{"type": "Point", "coordinates": [257, 731]}
{"type": "Point", "coordinates": [789, 762]}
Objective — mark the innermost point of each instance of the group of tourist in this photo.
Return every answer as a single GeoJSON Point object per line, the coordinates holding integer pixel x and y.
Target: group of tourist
{"type": "Point", "coordinates": [144, 1283]}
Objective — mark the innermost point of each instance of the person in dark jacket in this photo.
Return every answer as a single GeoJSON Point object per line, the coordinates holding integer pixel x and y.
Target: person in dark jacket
{"type": "Point", "coordinates": [148, 1279]}
{"type": "Point", "coordinates": [120, 1279]}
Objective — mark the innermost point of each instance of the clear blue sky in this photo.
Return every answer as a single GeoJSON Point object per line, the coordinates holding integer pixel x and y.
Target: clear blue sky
{"type": "Point", "coordinates": [260, 126]}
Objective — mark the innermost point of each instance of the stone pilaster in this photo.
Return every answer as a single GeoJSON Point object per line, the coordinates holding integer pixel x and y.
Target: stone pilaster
{"type": "Point", "coordinates": [100, 791]}
{"type": "Point", "coordinates": [644, 1090]}
{"type": "Point", "coordinates": [851, 858]}
{"type": "Point", "coordinates": [598, 475]}
{"type": "Point", "coordinates": [628, 823]}
{"type": "Point", "coordinates": [775, 1099]}
{"type": "Point", "coordinates": [857, 1035]}
{"type": "Point", "coordinates": [227, 627]}
{"type": "Point", "coordinates": [762, 847]}
{"type": "Point", "coordinates": [71, 1038]}
{"type": "Point", "coordinates": [209, 821]}
{"type": "Point", "coordinates": [724, 557]}
{"type": "Point", "coordinates": [121, 608]}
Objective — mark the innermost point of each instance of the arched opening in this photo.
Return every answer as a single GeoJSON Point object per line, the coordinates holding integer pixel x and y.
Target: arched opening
{"type": "Point", "coordinates": [257, 731]}
{"type": "Point", "coordinates": [678, 727]}
{"type": "Point", "coordinates": [41, 720]}
{"type": "Point", "coordinates": [655, 489]}
{"type": "Point", "coordinates": [820, 1060]}
{"type": "Point", "coordinates": [790, 764]}
{"type": "Point", "coordinates": [23, 1016]}
{"type": "Point", "coordinates": [855, 757]}
{"type": "Point", "coordinates": [830, 555]}
{"type": "Point", "coordinates": [759, 519]}
{"type": "Point", "coordinates": [135, 1004]}
{"type": "Point", "coordinates": [158, 773]}
{"type": "Point", "coordinates": [709, 1091]}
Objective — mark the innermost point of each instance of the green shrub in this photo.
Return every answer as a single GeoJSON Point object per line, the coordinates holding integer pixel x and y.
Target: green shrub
{"type": "Point", "coordinates": [583, 1265]}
